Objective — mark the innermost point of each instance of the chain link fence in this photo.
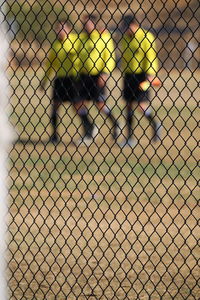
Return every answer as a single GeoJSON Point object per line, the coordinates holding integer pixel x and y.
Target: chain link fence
{"type": "Point", "coordinates": [102, 216]}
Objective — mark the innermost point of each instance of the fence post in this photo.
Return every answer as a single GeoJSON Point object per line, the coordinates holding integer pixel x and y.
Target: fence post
{"type": "Point", "coordinates": [5, 138]}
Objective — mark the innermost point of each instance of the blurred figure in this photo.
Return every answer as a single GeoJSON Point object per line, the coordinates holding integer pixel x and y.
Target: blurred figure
{"type": "Point", "coordinates": [107, 37]}
{"type": "Point", "coordinates": [97, 61]}
{"type": "Point", "coordinates": [61, 61]}
{"type": "Point", "coordinates": [139, 67]}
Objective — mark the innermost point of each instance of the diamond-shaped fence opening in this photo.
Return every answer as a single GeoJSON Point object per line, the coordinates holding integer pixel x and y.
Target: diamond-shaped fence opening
{"type": "Point", "coordinates": [104, 172]}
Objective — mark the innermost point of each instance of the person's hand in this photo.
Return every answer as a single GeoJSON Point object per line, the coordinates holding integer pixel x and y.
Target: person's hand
{"type": "Point", "coordinates": [151, 81]}
{"type": "Point", "coordinates": [150, 78]}
{"type": "Point", "coordinates": [102, 80]}
{"type": "Point", "coordinates": [154, 81]}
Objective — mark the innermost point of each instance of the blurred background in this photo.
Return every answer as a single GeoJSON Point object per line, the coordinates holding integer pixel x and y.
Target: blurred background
{"type": "Point", "coordinates": [175, 23]}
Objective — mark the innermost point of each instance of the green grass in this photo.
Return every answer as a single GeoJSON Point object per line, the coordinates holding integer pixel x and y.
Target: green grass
{"type": "Point", "coordinates": [38, 168]}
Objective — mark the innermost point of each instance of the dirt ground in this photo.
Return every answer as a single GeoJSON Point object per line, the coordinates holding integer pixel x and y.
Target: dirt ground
{"type": "Point", "coordinates": [104, 222]}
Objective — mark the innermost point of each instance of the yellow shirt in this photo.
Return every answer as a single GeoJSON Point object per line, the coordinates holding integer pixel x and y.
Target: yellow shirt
{"type": "Point", "coordinates": [62, 57]}
{"type": "Point", "coordinates": [139, 53]}
{"type": "Point", "coordinates": [97, 53]}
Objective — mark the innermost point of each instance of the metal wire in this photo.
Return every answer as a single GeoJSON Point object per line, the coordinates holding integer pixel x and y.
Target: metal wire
{"type": "Point", "coordinates": [97, 216]}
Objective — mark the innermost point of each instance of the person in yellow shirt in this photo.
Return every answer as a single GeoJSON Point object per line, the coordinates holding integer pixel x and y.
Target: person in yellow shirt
{"type": "Point", "coordinates": [96, 63]}
{"type": "Point", "coordinates": [139, 65]}
{"type": "Point", "coordinates": [61, 65]}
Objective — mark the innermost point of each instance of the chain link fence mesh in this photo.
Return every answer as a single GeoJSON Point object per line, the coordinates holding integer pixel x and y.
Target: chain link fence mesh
{"type": "Point", "coordinates": [102, 220]}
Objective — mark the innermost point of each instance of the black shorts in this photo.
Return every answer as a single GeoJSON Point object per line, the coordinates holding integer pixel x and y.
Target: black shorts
{"type": "Point", "coordinates": [65, 89]}
{"type": "Point", "coordinates": [131, 90]}
{"type": "Point", "coordinates": [89, 89]}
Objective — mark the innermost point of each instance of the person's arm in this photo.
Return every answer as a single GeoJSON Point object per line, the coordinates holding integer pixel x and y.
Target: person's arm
{"type": "Point", "coordinates": [109, 57]}
{"type": "Point", "coordinates": [151, 61]}
{"type": "Point", "coordinates": [109, 60]}
{"type": "Point", "coordinates": [78, 47]}
{"type": "Point", "coordinates": [48, 67]}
